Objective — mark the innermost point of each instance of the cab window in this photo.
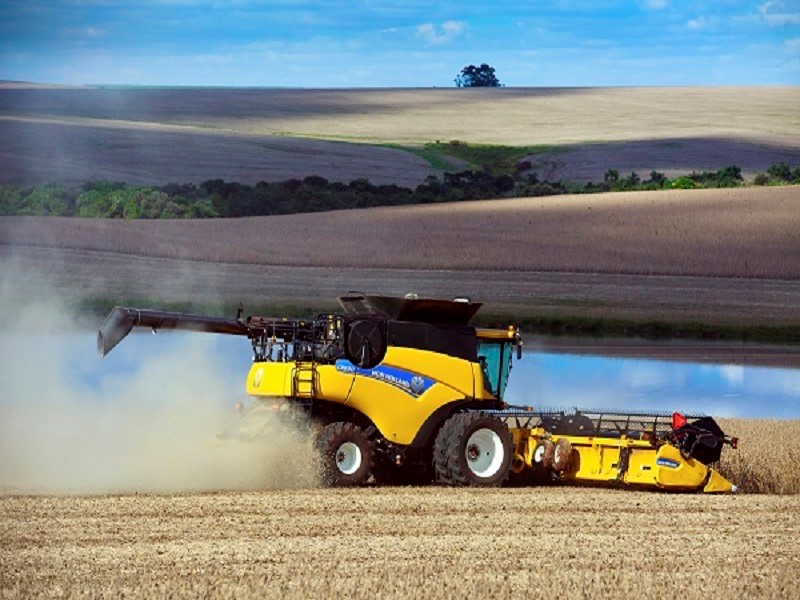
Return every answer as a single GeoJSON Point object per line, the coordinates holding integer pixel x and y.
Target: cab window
{"type": "Point", "coordinates": [495, 359]}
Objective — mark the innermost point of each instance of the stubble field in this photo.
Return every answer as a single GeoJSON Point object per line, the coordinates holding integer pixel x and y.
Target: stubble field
{"type": "Point", "coordinates": [420, 542]}
{"type": "Point", "coordinates": [401, 542]}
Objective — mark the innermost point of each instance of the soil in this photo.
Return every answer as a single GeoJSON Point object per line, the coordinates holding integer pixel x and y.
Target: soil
{"type": "Point", "coordinates": [401, 542]}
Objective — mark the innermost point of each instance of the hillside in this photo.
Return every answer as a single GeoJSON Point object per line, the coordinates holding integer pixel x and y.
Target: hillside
{"type": "Point", "coordinates": [705, 256]}
{"type": "Point", "coordinates": [160, 135]}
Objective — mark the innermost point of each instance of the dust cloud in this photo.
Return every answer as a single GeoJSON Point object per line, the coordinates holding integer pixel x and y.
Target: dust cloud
{"type": "Point", "coordinates": [151, 425]}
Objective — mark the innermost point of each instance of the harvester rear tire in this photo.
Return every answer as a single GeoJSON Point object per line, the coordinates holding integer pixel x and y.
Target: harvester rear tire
{"type": "Point", "coordinates": [346, 453]}
{"type": "Point", "coordinates": [472, 449]}
{"type": "Point", "coordinates": [562, 456]}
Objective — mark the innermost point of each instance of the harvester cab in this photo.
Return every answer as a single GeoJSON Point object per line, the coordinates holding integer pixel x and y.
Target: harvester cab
{"type": "Point", "coordinates": [406, 390]}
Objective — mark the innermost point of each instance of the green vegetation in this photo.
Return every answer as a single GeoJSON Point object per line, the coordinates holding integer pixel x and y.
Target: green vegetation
{"type": "Point", "coordinates": [497, 160]}
{"type": "Point", "coordinates": [498, 172]}
{"type": "Point", "coordinates": [430, 153]}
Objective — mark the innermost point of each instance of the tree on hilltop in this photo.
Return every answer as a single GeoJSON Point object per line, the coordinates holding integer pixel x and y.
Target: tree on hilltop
{"type": "Point", "coordinates": [472, 76]}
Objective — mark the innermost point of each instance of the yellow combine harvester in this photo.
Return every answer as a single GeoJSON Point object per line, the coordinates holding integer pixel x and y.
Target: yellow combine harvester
{"type": "Point", "coordinates": [405, 390]}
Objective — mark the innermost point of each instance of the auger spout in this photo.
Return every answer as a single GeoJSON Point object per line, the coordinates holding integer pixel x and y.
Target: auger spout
{"type": "Point", "coordinates": [121, 320]}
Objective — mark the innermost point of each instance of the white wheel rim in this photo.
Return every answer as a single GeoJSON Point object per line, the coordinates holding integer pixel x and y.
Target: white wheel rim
{"type": "Point", "coordinates": [484, 453]}
{"type": "Point", "coordinates": [538, 454]}
{"type": "Point", "coordinates": [348, 458]}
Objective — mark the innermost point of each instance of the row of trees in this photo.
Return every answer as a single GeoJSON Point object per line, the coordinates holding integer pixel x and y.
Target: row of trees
{"type": "Point", "coordinates": [218, 198]}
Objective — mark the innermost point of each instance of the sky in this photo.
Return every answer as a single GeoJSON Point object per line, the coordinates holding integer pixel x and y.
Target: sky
{"type": "Point", "coordinates": [416, 43]}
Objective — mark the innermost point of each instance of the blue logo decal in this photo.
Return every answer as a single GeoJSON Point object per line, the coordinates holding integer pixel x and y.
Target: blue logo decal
{"type": "Point", "coordinates": [411, 383]}
{"type": "Point", "coordinates": [666, 462]}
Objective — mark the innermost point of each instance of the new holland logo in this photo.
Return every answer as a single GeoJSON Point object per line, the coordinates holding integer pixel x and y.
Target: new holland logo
{"type": "Point", "coordinates": [257, 377]}
{"type": "Point", "coordinates": [411, 383]}
{"type": "Point", "coordinates": [666, 462]}
{"type": "Point", "coordinates": [417, 384]}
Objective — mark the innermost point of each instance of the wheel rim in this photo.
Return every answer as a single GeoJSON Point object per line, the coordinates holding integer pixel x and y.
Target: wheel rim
{"type": "Point", "coordinates": [538, 454]}
{"type": "Point", "coordinates": [484, 453]}
{"type": "Point", "coordinates": [348, 458]}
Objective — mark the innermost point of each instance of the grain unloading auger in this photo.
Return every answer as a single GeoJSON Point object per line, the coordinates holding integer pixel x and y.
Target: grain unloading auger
{"type": "Point", "coordinates": [406, 390]}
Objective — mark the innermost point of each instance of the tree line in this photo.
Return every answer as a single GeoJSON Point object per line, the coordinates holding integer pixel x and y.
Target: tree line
{"type": "Point", "coordinates": [219, 198]}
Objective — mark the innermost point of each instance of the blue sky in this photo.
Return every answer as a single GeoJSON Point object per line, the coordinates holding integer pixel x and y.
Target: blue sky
{"type": "Point", "coordinates": [366, 43]}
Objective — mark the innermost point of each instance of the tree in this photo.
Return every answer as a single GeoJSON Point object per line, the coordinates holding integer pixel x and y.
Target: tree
{"type": "Point", "coordinates": [472, 76]}
{"type": "Point", "coordinates": [611, 178]}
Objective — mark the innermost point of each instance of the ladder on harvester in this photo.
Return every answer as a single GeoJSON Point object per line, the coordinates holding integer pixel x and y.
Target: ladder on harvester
{"type": "Point", "coordinates": [304, 374]}
{"type": "Point", "coordinates": [304, 380]}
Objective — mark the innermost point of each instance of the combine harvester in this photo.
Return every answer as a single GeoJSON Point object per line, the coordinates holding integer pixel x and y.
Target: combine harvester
{"type": "Point", "coordinates": [404, 390]}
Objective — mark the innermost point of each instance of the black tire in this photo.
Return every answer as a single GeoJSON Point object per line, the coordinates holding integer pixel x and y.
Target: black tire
{"type": "Point", "coordinates": [472, 449]}
{"type": "Point", "coordinates": [562, 457]}
{"type": "Point", "coordinates": [346, 454]}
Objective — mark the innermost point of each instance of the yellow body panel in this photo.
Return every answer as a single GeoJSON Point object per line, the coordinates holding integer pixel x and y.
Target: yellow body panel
{"type": "Point", "coordinates": [689, 473]}
{"type": "Point", "coordinates": [395, 409]}
{"type": "Point", "coordinates": [601, 460]}
{"type": "Point", "coordinates": [718, 484]}
{"type": "Point", "coordinates": [456, 373]}
{"type": "Point", "coordinates": [398, 414]}
{"type": "Point", "coordinates": [277, 379]}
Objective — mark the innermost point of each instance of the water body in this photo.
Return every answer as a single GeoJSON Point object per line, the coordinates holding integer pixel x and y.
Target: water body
{"type": "Point", "coordinates": [555, 380]}
{"type": "Point", "coordinates": [551, 374]}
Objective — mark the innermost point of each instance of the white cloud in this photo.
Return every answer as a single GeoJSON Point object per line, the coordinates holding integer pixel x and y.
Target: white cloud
{"type": "Point", "coordinates": [441, 34]}
{"type": "Point", "coordinates": [701, 23]}
{"type": "Point", "coordinates": [792, 45]}
{"type": "Point", "coordinates": [779, 13]}
{"type": "Point", "coordinates": [655, 4]}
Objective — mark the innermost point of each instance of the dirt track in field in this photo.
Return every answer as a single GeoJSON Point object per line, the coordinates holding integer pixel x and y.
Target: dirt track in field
{"type": "Point", "coordinates": [402, 542]}
{"type": "Point", "coordinates": [151, 136]}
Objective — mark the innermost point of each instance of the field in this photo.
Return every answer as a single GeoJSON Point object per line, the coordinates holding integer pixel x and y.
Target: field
{"type": "Point", "coordinates": [711, 256]}
{"type": "Point", "coordinates": [714, 256]}
{"type": "Point", "coordinates": [154, 136]}
{"type": "Point", "coordinates": [420, 542]}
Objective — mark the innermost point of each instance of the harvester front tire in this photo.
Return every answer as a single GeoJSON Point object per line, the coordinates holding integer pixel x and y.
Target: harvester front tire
{"type": "Point", "coordinates": [346, 453]}
{"type": "Point", "coordinates": [472, 449]}
{"type": "Point", "coordinates": [562, 456]}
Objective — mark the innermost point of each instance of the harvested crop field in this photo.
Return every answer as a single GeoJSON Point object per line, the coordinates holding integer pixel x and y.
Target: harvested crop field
{"type": "Point", "coordinates": [421, 542]}
{"type": "Point", "coordinates": [155, 136]}
{"type": "Point", "coordinates": [417, 542]}
{"type": "Point", "coordinates": [401, 542]}
{"type": "Point", "coordinates": [745, 232]}
{"type": "Point", "coordinates": [698, 255]}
